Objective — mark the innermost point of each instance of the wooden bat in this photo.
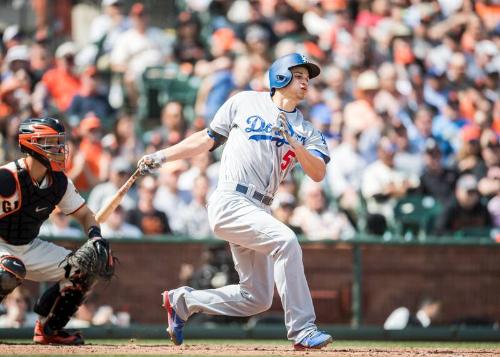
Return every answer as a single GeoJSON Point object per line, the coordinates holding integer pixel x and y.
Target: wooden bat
{"type": "Point", "coordinates": [105, 211]}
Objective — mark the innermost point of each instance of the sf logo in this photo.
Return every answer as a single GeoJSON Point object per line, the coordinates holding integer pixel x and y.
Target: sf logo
{"type": "Point", "coordinates": [9, 206]}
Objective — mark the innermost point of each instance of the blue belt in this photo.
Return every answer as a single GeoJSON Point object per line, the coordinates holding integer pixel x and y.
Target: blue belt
{"type": "Point", "coordinates": [267, 200]}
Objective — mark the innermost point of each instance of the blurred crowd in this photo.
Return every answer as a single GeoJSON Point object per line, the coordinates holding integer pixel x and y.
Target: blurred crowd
{"type": "Point", "coordinates": [408, 100]}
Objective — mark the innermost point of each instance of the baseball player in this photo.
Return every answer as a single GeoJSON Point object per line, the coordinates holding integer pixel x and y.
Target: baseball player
{"type": "Point", "coordinates": [30, 189]}
{"type": "Point", "coordinates": [265, 135]}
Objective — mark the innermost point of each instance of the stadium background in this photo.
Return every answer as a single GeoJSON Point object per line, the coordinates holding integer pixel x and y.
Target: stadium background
{"type": "Point", "coordinates": [385, 63]}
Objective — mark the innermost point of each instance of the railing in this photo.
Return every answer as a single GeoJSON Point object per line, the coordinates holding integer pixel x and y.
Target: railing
{"type": "Point", "coordinates": [357, 245]}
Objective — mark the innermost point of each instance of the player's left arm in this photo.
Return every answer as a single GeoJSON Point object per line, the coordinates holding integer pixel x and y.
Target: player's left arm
{"type": "Point", "coordinates": [85, 217]}
{"type": "Point", "coordinates": [314, 166]}
{"type": "Point", "coordinates": [73, 204]}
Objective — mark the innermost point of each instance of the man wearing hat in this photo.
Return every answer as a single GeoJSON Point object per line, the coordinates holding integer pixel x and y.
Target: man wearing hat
{"type": "Point", "coordinates": [61, 83]}
{"type": "Point", "coordinates": [139, 47]}
{"type": "Point", "coordinates": [120, 171]}
{"type": "Point", "coordinates": [466, 211]}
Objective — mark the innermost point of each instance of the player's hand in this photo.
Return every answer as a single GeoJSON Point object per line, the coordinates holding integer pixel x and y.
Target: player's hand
{"type": "Point", "coordinates": [283, 127]}
{"type": "Point", "coordinates": [149, 163]}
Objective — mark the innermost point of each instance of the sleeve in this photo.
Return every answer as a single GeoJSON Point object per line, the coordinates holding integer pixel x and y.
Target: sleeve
{"type": "Point", "coordinates": [223, 119]}
{"type": "Point", "coordinates": [371, 185]}
{"type": "Point", "coordinates": [119, 54]}
{"type": "Point", "coordinates": [316, 144]}
{"type": "Point", "coordinates": [72, 201]}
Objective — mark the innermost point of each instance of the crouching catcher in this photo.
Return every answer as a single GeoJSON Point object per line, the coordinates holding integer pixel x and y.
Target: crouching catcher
{"type": "Point", "coordinates": [30, 189]}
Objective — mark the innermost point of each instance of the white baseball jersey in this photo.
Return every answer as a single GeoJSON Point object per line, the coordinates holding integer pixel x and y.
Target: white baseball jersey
{"type": "Point", "coordinates": [254, 153]}
{"type": "Point", "coordinates": [265, 251]}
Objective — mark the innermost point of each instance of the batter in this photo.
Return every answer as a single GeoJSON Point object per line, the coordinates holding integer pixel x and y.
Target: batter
{"type": "Point", "coordinates": [265, 136]}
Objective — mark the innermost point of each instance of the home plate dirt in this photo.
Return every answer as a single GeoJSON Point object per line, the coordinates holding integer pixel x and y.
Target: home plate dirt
{"type": "Point", "coordinates": [233, 350]}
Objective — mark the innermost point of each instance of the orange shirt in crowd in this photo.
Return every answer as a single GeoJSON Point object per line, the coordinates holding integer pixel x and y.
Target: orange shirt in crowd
{"type": "Point", "coordinates": [93, 154]}
{"type": "Point", "coordinates": [62, 86]}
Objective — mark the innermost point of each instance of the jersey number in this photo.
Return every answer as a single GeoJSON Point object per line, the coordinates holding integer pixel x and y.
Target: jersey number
{"type": "Point", "coordinates": [287, 159]}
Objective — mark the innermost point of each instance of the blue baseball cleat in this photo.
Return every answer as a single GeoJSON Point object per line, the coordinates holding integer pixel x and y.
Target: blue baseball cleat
{"type": "Point", "coordinates": [175, 323]}
{"type": "Point", "coordinates": [314, 340]}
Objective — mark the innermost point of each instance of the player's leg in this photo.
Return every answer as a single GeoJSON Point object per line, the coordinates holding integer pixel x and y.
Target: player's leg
{"type": "Point", "coordinates": [12, 273]}
{"type": "Point", "coordinates": [252, 295]}
{"type": "Point", "coordinates": [238, 221]}
{"type": "Point", "coordinates": [58, 303]}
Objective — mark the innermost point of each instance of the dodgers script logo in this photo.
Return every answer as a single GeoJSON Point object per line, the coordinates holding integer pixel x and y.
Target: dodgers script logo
{"type": "Point", "coordinates": [256, 124]}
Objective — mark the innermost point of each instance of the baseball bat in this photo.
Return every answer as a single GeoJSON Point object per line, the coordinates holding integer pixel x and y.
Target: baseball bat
{"type": "Point", "coordinates": [105, 211]}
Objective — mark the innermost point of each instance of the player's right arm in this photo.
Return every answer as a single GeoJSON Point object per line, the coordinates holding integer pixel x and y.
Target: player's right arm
{"type": "Point", "coordinates": [193, 145]}
{"type": "Point", "coordinates": [201, 141]}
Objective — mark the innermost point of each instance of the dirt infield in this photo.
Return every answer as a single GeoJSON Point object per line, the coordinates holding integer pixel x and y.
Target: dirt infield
{"type": "Point", "coordinates": [132, 349]}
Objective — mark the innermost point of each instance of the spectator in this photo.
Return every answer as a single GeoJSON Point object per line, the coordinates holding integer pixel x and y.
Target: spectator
{"type": "Point", "coordinates": [136, 49]}
{"type": "Point", "coordinates": [382, 185]}
{"type": "Point", "coordinates": [120, 171]}
{"type": "Point", "coordinates": [150, 220]}
{"type": "Point", "coordinates": [317, 220]}
{"type": "Point", "coordinates": [465, 211]}
{"type": "Point", "coordinates": [402, 317]}
{"type": "Point", "coordinates": [89, 100]}
{"type": "Point", "coordinates": [361, 114]}
{"type": "Point", "coordinates": [420, 129]}
{"type": "Point", "coordinates": [407, 159]}
{"type": "Point", "coordinates": [116, 227]}
{"type": "Point", "coordinates": [436, 180]}
{"type": "Point", "coordinates": [87, 165]}
{"type": "Point", "coordinates": [59, 225]}
{"type": "Point", "coordinates": [345, 171]}
{"type": "Point", "coordinates": [12, 36]}
{"type": "Point", "coordinates": [60, 84]}
{"type": "Point", "coordinates": [188, 47]}
{"type": "Point", "coordinates": [123, 141]}
{"type": "Point", "coordinates": [283, 206]}
{"type": "Point", "coordinates": [169, 199]}
{"type": "Point", "coordinates": [200, 165]}
{"type": "Point", "coordinates": [195, 215]}
{"type": "Point", "coordinates": [17, 306]}
{"type": "Point", "coordinates": [173, 124]}
{"type": "Point", "coordinates": [446, 126]}
{"type": "Point", "coordinates": [15, 88]}
{"type": "Point", "coordinates": [228, 78]}
{"type": "Point", "coordinates": [105, 31]}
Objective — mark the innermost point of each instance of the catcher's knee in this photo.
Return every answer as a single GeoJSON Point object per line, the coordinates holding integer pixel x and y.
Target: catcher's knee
{"type": "Point", "coordinates": [12, 274]}
{"type": "Point", "coordinates": [59, 304]}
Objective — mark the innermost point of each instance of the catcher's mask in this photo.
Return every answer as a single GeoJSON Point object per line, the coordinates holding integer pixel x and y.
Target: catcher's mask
{"type": "Point", "coordinates": [45, 140]}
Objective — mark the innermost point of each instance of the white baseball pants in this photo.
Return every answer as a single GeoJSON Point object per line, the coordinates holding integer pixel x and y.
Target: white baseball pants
{"type": "Point", "coordinates": [41, 258]}
{"type": "Point", "coordinates": [265, 251]}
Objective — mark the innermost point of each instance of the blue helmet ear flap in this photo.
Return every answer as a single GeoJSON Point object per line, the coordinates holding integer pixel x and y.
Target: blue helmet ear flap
{"type": "Point", "coordinates": [280, 75]}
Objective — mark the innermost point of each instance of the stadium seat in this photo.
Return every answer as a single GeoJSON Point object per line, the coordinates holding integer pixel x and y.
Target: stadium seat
{"type": "Point", "coordinates": [163, 84]}
{"type": "Point", "coordinates": [416, 214]}
{"type": "Point", "coordinates": [474, 233]}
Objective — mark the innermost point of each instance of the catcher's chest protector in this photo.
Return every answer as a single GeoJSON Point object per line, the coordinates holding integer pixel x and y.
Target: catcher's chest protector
{"type": "Point", "coordinates": [24, 206]}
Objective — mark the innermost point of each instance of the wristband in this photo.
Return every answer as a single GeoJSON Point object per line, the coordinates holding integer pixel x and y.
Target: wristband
{"type": "Point", "coordinates": [94, 232]}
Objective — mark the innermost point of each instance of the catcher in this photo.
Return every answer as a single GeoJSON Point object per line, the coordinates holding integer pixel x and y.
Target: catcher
{"type": "Point", "coordinates": [30, 189]}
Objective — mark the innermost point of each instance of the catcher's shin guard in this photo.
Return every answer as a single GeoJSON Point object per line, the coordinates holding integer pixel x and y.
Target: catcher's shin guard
{"type": "Point", "coordinates": [58, 305]}
{"type": "Point", "coordinates": [12, 273]}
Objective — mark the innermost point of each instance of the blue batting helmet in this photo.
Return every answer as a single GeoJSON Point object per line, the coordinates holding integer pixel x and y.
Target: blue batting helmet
{"type": "Point", "coordinates": [280, 75]}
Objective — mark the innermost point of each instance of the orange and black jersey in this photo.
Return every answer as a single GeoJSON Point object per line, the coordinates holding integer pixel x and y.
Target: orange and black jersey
{"type": "Point", "coordinates": [23, 205]}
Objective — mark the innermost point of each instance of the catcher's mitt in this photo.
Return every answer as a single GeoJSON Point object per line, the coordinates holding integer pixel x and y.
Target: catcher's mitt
{"type": "Point", "coordinates": [94, 259]}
